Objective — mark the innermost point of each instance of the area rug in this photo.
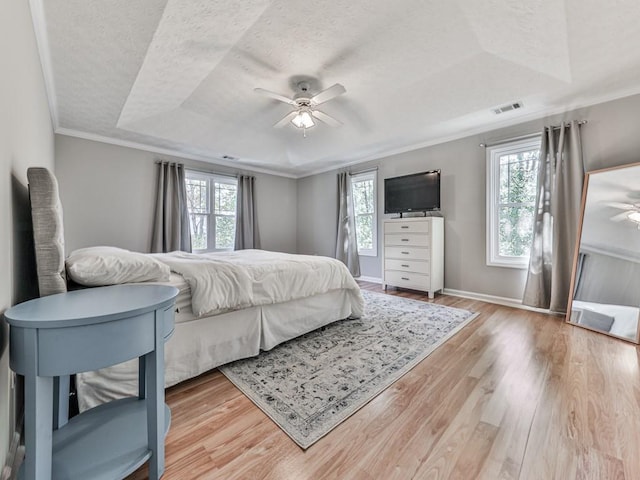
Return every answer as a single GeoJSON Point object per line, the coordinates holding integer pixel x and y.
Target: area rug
{"type": "Point", "coordinates": [312, 383]}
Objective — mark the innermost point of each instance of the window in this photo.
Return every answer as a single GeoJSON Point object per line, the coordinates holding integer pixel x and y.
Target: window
{"type": "Point", "coordinates": [363, 187]}
{"type": "Point", "coordinates": [211, 200]}
{"type": "Point", "coordinates": [512, 178]}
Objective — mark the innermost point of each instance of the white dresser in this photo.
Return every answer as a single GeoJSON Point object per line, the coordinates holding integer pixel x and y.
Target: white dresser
{"type": "Point", "coordinates": [413, 253]}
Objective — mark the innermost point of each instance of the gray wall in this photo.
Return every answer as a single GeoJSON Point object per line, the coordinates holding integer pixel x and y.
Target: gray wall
{"type": "Point", "coordinates": [317, 214]}
{"type": "Point", "coordinates": [107, 193]}
{"type": "Point", "coordinates": [609, 280]}
{"type": "Point", "coordinates": [610, 138]}
{"type": "Point", "coordinates": [26, 139]}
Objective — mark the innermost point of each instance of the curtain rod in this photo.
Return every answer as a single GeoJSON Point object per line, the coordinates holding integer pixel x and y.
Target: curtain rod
{"type": "Point", "coordinates": [210, 172]}
{"type": "Point", "coordinates": [367, 170]}
{"type": "Point", "coordinates": [528, 135]}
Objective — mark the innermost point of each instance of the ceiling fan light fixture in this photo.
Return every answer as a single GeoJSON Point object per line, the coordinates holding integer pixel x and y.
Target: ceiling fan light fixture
{"type": "Point", "coordinates": [634, 217]}
{"type": "Point", "coordinates": [303, 119]}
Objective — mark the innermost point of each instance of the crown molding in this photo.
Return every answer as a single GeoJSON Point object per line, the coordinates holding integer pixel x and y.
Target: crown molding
{"type": "Point", "coordinates": [537, 115]}
{"type": "Point", "coordinates": [166, 151]}
{"type": "Point", "coordinates": [609, 251]}
{"type": "Point", "coordinates": [40, 28]}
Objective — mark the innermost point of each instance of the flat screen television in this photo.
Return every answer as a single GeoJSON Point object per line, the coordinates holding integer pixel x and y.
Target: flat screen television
{"type": "Point", "coordinates": [419, 192]}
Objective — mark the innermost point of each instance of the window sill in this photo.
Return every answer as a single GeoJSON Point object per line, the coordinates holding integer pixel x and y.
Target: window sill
{"type": "Point", "coordinates": [367, 254]}
{"type": "Point", "coordinates": [213, 250]}
{"type": "Point", "coordinates": [517, 266]}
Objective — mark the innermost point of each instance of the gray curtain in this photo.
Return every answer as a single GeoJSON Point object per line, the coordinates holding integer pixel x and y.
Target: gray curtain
{"type": "Point", "coordinates": [247, 234]}
{"type": "Point", "coordinates": [346, 245]}
{"type": "Point", "coordinates": [171, 228]}
{"type": "Point", "coordinates": [560, 180]}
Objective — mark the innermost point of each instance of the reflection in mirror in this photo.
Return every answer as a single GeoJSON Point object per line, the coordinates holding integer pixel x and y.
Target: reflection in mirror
{"type": "Point", "coordinates": [606, 269]}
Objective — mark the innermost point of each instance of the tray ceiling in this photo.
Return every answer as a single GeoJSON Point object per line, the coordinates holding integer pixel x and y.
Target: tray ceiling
{"type": "Point", "coordinates": [179, 75]}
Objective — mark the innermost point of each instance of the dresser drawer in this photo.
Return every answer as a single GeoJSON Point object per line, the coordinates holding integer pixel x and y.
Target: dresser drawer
{"type": "Point", "coordinates": [406, 227]}
{"type": "Point", "coordinates": [414, 253]}
{"type": "Point", "coordinates": [418, 239]}
{"type": "Point", "coordinates": [415, 266]}
{"type": "Point", "coordinates": [406, 279]}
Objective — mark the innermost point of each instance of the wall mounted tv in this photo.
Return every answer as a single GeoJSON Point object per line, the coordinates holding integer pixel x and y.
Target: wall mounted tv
{"type": "Point", "coordinates": [419, 192]}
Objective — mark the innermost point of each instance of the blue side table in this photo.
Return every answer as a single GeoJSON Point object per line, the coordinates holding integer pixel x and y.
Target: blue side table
{"type": "Point", "coordinates": [83, 330]}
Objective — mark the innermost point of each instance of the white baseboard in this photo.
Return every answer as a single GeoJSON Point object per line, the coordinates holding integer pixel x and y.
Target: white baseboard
{"type": "Point", "coordinates": [506, 301]}
{"type": "Point", "coordinates": [370, 279]}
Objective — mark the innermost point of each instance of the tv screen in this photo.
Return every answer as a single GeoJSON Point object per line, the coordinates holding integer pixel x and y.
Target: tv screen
{"type": "Point", "coordinates": [419, 192]}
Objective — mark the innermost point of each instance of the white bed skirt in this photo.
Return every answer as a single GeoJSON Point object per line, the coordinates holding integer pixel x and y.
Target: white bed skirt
{"type": "Point", "coordinates": [202, 344]}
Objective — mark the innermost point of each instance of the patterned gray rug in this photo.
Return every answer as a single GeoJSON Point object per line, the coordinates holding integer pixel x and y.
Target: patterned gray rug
{"type": "Point", "coordinates": [312, 383]}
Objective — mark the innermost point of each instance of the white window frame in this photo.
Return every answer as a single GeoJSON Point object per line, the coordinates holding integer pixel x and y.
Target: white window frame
{"type": "Point", "coordinates": [211, 179]}
{"type": "Point", "coordinates": [373, 176]}
{"type": "Point", "coordinates": [494, 153]}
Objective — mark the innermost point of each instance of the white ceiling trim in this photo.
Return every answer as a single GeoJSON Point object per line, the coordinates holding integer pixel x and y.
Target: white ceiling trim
{"type": "Point", "coordinates": [377, 156]}
{"type": "Point", "coordinates": [165, 151]}
{"type": "Point", "coordinates": [615, 252]}
{"type": "Point", "coordinates": [42, 41]}
{"type": "Point", "coordinates": [476, 131]}
{"type": "Point", "coordinates": [40, 28]}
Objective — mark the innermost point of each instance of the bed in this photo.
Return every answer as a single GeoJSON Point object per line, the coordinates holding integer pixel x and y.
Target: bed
{"type": "Point", "coordinates": [270, 304]}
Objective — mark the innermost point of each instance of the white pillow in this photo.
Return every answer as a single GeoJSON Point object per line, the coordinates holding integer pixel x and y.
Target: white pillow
{"type": "Point", "coordinates": [97, 266]}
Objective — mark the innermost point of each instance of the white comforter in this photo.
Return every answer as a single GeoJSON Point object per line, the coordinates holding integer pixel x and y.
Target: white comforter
{"type": "Point", "coordinates": [224, 281]}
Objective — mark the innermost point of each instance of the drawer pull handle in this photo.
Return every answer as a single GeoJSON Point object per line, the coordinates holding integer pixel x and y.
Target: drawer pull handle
{"type": "Point", "coordinates": [405, 266]}
{"type": "Point", "coordinates": [404, 239]}
{"type": "Point", "coordinates": [404, 226]}
{"type": "Point", "coordinates": [405, 253]}
{"type": "Point", "coordinates": [404, 278]}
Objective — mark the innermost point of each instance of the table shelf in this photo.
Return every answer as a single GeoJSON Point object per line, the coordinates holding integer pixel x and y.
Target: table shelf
{"type": "Point", "coordinates": [106, 442]}
{"type": "Point", "coordinates": [56, 336]}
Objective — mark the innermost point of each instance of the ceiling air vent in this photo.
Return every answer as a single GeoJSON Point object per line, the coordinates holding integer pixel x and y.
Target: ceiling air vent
{"type": "Point", "coordinates": [507, 108]}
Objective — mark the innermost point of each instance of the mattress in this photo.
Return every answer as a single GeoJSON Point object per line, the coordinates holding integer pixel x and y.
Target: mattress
{"type": "Point", "coordinates": [293, 294]}
{"type": "Point", "coordinates": [184, 313]}
{"type": "Point", "coordinates": [200, 344]}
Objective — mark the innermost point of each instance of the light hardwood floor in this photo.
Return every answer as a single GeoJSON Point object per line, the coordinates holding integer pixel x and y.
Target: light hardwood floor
{"type": "Point", "coordinates": [514, 395]}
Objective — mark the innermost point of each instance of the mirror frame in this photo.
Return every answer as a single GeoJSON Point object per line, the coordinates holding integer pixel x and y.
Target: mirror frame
{"type": "Point", "coordinates": [576, 252]}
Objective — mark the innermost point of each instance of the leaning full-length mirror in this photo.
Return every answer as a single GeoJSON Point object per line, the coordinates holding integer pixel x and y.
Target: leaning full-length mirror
{"type": "Point", "coordinates": [606, 267]}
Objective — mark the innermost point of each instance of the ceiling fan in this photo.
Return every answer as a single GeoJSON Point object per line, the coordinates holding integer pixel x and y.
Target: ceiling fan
{"type": "Point", "coordinates": [631, 211]}
{"type": "Point", "coordinates": [305, 106]}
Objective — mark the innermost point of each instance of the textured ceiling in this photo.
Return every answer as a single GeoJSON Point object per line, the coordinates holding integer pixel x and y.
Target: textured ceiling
{"type": "Point", "coordinates": [179, 74]}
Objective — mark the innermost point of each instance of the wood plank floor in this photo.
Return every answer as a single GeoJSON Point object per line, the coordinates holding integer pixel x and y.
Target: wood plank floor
{"type": "Point", "coordinates": [514, 395]}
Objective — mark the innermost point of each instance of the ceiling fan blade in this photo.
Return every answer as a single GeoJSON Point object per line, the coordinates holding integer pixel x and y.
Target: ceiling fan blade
{"type": "Point", "coordinates": [620, 216]}
{"type": "Point", "coordinates": [286, 119]}
{"type": "Point", "coordinates": [323, 117]}
{"type": "Point", "coordinates": [328, 94]}
{"type": "Point", "coordinates": [275, 96]}
{"type": "Point", "coordinates": [622, 206]}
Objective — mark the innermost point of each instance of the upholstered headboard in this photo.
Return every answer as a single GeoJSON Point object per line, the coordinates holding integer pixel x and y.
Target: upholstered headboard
{"type": "Point", "coordinates": [48, 234]}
